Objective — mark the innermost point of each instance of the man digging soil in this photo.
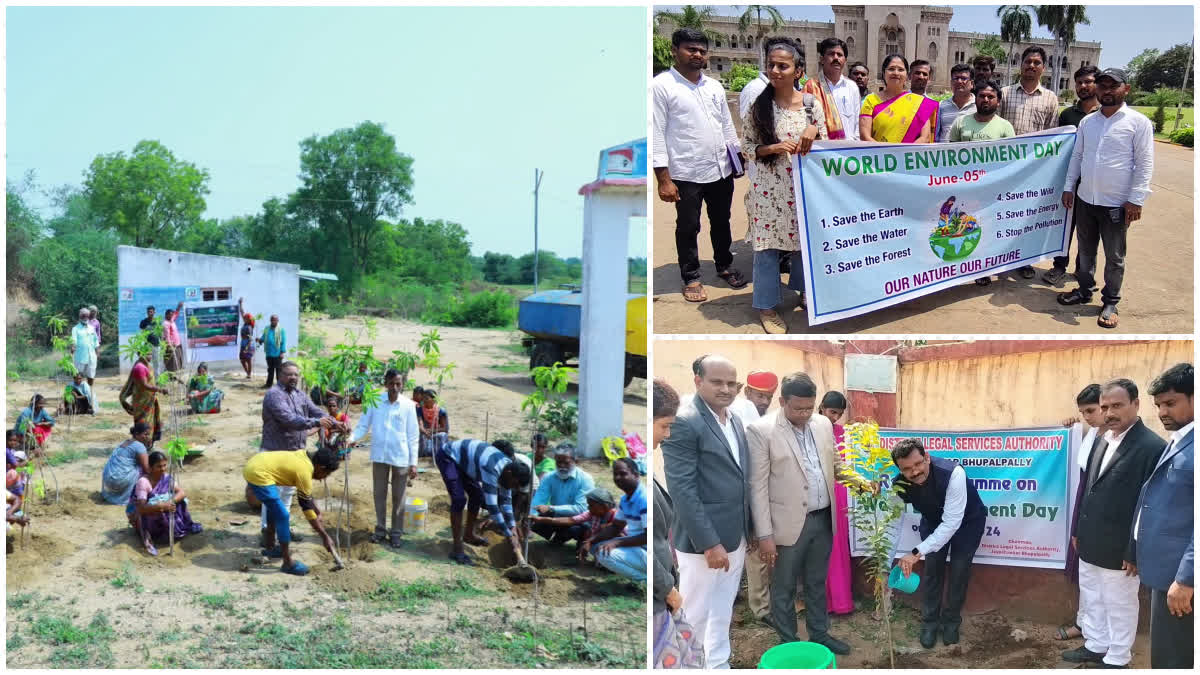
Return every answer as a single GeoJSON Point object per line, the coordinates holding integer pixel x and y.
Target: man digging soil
{"type": "Point", "coordinates": [477, 474]}
{"type": "Point", "coordinates": [266, 472]}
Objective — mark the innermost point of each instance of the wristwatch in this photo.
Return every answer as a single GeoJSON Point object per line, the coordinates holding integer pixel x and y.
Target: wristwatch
{"type": "Point", "coordinates": [916, 552]}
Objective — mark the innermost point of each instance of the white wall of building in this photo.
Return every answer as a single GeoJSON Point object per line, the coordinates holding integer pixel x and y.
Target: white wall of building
{"type": "Point", "coordinates": [268, 288]}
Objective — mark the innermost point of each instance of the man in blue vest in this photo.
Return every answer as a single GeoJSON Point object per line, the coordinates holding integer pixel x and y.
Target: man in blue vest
{"type": "Point", "coordinates": [952, 519]}
{"type": "Point", "coordinates": [1162, 532]}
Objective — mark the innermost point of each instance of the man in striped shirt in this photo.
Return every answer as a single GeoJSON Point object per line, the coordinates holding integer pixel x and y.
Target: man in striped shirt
{"type": "Point", "coordinates": [477, 474]}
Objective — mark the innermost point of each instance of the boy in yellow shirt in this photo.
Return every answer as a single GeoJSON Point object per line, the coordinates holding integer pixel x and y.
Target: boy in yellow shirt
{"type": "Point", "coordinates": [266, 472]}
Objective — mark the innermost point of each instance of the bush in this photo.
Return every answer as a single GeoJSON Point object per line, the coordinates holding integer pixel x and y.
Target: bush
{"type": "Point", "coordinates": [1067, 96]}
{"type": "Point", "coordinates": [74, 270]}
{"type": "Point", "coordinates": [485, 309]}
{"type": "Point", "coordinates": [741, 75]}
{"type": "Point", "coordinates": [1159, 118]}
{"type": "Point", "coordinates": [1182, 136]}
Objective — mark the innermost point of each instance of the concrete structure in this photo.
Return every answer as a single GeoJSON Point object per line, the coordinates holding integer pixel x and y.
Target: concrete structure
{"type": "Point", "coordinates": [874, 31]}
{"type": "Point", "coordinates": [206, 282]}
{"type": "Point", "coordinates": [985, 384]}
{"type": "Point", "coordinates": [617, 195]}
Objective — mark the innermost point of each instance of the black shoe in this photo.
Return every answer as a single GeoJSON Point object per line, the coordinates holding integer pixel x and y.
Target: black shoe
{"type": "Point", "coordinates": [949, 635]}
{"type": "Point", "coordinates": [1054, 275]}
{"type": "Point", "coordinates": [1082, 655]}
{"type": "Point", "coordinates": [833, 644]}
{"type": "Point", "coordinates": [1027, 272]}
{"type": "Point", "coordinates": [929, 636]}
{"type": "Point", "coordinates": [1109, 665]}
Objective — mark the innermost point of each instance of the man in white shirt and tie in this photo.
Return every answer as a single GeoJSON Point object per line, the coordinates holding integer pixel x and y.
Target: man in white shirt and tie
{"type": "Point", "coordinates": [1113, 159]}
{"type": "Point", "coordinates": [696, 154]}
{"type": "Point", "coordinates": [392, 423]}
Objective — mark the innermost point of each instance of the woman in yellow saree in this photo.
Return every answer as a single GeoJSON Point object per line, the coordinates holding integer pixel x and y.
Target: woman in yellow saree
{"type": "Point", "coordinates": [897, 115]}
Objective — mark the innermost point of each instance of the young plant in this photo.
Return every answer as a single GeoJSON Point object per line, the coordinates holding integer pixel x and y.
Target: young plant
{"type": "Point", "coordinates": [876, 515]}
{"type": "Point", "coordinates": [547, 408]}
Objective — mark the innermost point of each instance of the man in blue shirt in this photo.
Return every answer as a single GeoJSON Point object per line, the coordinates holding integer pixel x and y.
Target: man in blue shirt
{"type": "Point", "coordinates": [562, 493]}
{"type": "Point", "coordinates": [274, 341]}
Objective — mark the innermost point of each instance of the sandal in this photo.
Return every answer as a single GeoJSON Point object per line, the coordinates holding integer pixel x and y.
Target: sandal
{"type": "Point", "coordinates": [1075, 297]}
{"type": "Point", "coordinates": [772, 323]}
{"type": "Point", "coordinates": [983, 281]}
{"type": "Point", "coordinates": [1054, 275]}
{"type": "Point", "coordinates": [733, 277]}
{"type": "Point", "coordinates": [1064, 632]}
{"type": "Point", "coordinates": [462, 559]}
{"type": "Point", "coordinates": [297, 568]}
{"type": "Point", "coordinates": [1027, 272]}
{"type": "Point", "coordinates": [395, 541]}
{"type": "Point", "coordinates": [1108, 317]}
{"type": "Point", "coordinates": [150, 548]}
{"type": "Point", "coordinates": [694, 292]}
{"type": "Point", "coordinates": [377, 538]}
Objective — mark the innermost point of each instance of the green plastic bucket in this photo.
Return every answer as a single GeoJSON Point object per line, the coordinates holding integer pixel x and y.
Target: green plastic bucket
{"type": "Point", "coordinates": [802, 655]}
{"type": "Point", "coordinates": [898, 581]}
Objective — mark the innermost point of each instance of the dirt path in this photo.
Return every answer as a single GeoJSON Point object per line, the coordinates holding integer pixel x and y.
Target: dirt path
{"type": "Point", "coordinates": [1156, 298]}
{"type": "Point", "coordinates": [82, 593]}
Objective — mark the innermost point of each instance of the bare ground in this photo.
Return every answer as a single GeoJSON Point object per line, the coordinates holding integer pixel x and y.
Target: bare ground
{"type": "Point", "coordinates": [82, 593]}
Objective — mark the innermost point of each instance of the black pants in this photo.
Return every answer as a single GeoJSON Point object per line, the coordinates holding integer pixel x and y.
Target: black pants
{"type": "Point", "coordinates": [808, 558]}
{"type": "Point", "coordinates": [560, 534]}
{"type": "Point", "coordinates": [1098, 224]}
{"type": "Point", "coordinates": [1061, 261]}
{"type": "Point", "coordinates": [961, 550]}
{"type": "Point", "coordinates": [718, 196]}
{"type": "Point", "coordinates": [1171, 638]}
{"type": "Point", "coordinates": [273, 363]}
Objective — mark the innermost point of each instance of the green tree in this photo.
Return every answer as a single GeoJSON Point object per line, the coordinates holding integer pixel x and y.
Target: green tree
{"type": "Point", "coordinates": [215, 237]}
{"type": "Point", "coordinates": [989, 46]}
{"type": "Point", "coordinates": [351, 179]}
{"type": "Point", "coordinates": [1166, 70]}
{"type": "Point", "coordinates": [663, 60]}
{"type": "Point", "coordinates": [688, 16]}
{"type": "Point", "coordinates": [1016, 25]}
{"type": "Point", "coordinates": [149, 197]}
{"type": "Point", "coordinates": [432, 252]}
{"type": "Point", "coordinates": [74, 270]}
{"type": "Point", "coordinates": [1061, 21]}
{"type": "Point", "coordinates": [754, 16]}
{"type": "Point", "coordinates": [23, 228]}
{"type": "Point", "coordinates": [741, 75]}
{"type": "Point", "coordinates": [1137, 65]}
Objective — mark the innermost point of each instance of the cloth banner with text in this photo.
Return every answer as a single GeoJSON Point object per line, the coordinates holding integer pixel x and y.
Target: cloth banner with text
{"type": "Point", "coordinates": [881, 224]}
{"type": "Point", "coordinates": [1023, 480]}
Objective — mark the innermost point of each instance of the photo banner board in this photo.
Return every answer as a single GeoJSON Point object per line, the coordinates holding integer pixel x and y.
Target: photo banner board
{"type": "Point", "coordinates": [1022, 478]}
{"type": "Point", "coordinates": [881, 224]}
{"type": "Point", "coordinates": [132, 304]}
{"type": "Point", "coordinates": [214, 337]}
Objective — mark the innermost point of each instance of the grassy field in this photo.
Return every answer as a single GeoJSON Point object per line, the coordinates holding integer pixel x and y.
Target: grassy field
{"type": "Point", "coordinates": [1169, 124]}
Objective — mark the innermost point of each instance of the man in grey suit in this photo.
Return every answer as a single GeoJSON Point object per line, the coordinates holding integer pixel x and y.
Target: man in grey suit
{"type": "Point", "coordinates": [706, 463]}
{"type": "Point", "coordinates": [1163, 536]}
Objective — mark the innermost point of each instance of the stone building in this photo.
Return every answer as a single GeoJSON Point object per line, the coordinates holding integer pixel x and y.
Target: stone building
{"type": "Point", "coordinates": [874, 31]}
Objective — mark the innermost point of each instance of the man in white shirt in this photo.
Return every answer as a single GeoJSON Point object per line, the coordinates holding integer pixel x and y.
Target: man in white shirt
{"type": "Point", "coordinates": [839, 96]}
{"type": "Point", "coordinates": [1123, 458]}
{"type": "Point", "coordinates": [753, 404]}
{"type": "Point", "coordinates": [392, 424]}
{"type": "Point", "coordinates": [1113, 159]}
{"type": "Point", "coordinates": [1087, 402]}
{"type": "Point", "coordinates": [694, 153]}
{"type": "Point", "coordinates": [952, 522]}
{"type": "Point", "coordinates": [962, 82]}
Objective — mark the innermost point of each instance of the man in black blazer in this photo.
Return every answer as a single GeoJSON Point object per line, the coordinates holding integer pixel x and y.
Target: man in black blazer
{"type": "Point", "coordinates": [707, 466]}
{"type": "Point", "coordinates": [1119, 464]}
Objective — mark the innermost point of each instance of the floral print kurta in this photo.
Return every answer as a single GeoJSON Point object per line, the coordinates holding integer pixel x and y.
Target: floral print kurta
{"type": "Point", "coordinates": [771, 199]}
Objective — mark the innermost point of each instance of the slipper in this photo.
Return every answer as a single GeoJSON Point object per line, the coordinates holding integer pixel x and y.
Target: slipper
{"type": "Point", "coordinates": [272, 552]}
{"type": "Point", "coordinates": [1108, 317]}
{"type": "Point", "coordinates": [150, 548]}
{"type": "Point", "coordinates": [733, 277]}
{"type": "Point", "coordinates": [298, 568]}
{"type": "Point", "coordinates": [377, 538]}
{"type": "Point", "coordinates": [462, 559]}
{"type": "Point", "coordinates": [694, 293]}
{"type": "Point", "coordinates": [238, 522]}
{"type": "Point", "coordinates": [1075, 297]}
{"type": "Point", "coordinates": [1028, 272]}
{"type": "Point", "coordinates": [1064, 632]}
{"type": "Point", "coordinates": [983, 281]}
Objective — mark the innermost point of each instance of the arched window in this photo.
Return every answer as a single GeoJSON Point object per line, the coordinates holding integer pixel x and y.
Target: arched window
{"type": "Point", "coordinates": [849, 48]}
{"type": "Point", "coordinates": [718, 43]}
{"type": "Point", "coordinates": [932, 52]}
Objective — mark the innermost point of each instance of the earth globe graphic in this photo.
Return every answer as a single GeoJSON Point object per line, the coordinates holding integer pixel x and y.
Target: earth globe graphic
{"type": "Point", "coordinates": [955, 237]}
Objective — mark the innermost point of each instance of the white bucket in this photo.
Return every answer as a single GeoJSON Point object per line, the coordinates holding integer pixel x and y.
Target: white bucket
{"type": "Point", "coordinates": [415, 509]}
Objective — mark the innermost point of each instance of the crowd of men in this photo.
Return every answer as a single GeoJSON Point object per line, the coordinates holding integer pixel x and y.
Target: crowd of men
{"type": "Point", "coordinates": [697, 156]}
{"type": "Point", "coordinates": [751, 485]}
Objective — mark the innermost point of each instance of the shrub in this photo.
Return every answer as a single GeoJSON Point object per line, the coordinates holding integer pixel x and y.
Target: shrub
{"type": "Point", "coordinates": [74, 270]}
{"type": "Point", "coordinates": [1159, 118]}
{"type": "Point", "coordinates": [741, 75]}
{"type": "Point", "coordinates": [485, 309]}
{"type": "Point", "coordinates": [1182, 136]}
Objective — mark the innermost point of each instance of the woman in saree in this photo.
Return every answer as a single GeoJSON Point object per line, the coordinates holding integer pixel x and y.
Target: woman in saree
{"type": "Point", "coordinates": [154, 506]}
{"type": "Point", "coordinates": [897, 115]}
{"type": "Point", "coordinates": [838, 597]}
{"type": "Point", "coordinates": [127, 463]}
{"type": "Point", "coordinates": [138, 397]}
{"type": "Point", "coordinates": [35, 420]}
{"type": "Point", "coordinates": [246, 336]}
{"type": "Point", "coordinates": [203, 395]}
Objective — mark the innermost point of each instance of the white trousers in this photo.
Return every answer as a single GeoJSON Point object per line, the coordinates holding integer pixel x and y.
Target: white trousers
{"type": "Point", "coordinates": [708, 597]}
{"type": "Point", "coordinates": [1108, 603]}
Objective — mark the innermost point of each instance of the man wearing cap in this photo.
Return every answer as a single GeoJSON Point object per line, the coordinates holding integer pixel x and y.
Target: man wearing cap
{"type": "Point", "coordinates": [758, 392]}
{"type": "Point", "coordinates": [1113, 160]}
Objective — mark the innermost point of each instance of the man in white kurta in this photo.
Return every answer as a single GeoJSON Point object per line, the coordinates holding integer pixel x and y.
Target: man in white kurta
{"type": "Point", "coordinates": [392, 424]}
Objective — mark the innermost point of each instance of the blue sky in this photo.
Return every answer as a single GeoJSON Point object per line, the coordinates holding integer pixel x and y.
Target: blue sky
{"type": "Point", "coordinates": [478, 97]}
{"type": "Point", "coordinates": [1123, 30]}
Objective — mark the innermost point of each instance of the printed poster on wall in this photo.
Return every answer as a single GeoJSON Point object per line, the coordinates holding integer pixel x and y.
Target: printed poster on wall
{"type": "Point", "coordinates": [882, 224]}
{"type": "Point", "coordinates": [133, 301]}
{"type": "Point", "coordinates": [214, 335]}
{"type": "Point", "coordinates": [1022, 478]}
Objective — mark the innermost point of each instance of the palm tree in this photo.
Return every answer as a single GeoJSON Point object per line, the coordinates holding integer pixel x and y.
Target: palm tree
{"type": "Point", "coordinates": [689, 16]}
{"type": "Point", "coordinates": [1015, 26]}
{"type": "Point", "coordinates": [756, 12]}
{"type": "Point", "coordinates": [1061, 21]}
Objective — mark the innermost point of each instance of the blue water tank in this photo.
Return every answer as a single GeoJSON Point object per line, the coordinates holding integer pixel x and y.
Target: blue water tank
{"type": "Point", "coordinates": [551, 315]}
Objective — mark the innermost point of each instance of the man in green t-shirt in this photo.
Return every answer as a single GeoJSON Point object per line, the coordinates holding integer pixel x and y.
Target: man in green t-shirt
{"type": "Point", "coordinates": [984, 125]}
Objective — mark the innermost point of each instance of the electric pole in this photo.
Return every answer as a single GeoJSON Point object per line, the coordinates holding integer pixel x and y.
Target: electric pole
{"type": "Point", "coordinates": [1186, 71]}
{"type": "Point", "coordinates": [537, 183]}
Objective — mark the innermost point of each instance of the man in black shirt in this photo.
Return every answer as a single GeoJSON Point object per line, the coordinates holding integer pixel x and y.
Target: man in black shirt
{"type": "Point", "coordinates": [147, 327]}
{"type": "Point", "coordinates": [1085, 89]}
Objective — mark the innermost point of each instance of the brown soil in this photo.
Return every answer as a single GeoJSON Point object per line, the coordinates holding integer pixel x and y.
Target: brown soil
{"type": "Point", "coordinates": [80, 544]}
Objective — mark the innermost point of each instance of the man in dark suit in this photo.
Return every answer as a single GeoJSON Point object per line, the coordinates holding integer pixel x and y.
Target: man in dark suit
{"type": "Point", "coordinates": [1108, 585]}
{"type": "Point", "coordinates": [706, 463]}
{"type": "Point", "coordinates": [1163, 536]}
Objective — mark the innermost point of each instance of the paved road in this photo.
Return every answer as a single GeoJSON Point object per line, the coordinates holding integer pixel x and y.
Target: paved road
{"type": "Point", "coordinates": [1156, 297]}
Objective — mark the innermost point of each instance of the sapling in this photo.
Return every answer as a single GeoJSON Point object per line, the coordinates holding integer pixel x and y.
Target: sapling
{"type": "Point", "coordinates": [551, 382]}
{"type": "Point", "coordinates": [177, 449]}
